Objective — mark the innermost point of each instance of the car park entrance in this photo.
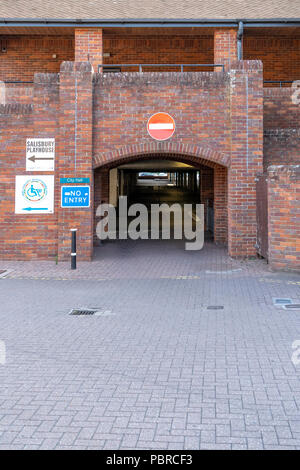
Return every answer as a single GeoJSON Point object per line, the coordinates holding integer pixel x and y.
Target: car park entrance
{"type": "Point", "coordinates": [170, 185]}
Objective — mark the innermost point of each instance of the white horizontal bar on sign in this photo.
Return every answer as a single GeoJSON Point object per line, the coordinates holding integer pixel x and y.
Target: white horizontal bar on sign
{"type": "Point", "coordinates": [161, 126]}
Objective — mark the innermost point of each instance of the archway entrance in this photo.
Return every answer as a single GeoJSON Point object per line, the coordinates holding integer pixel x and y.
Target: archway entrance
{"type": "Point", "coordinates": [166, 179]}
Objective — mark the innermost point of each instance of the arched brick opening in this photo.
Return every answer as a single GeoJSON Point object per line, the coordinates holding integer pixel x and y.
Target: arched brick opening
{"type": "Point", "coordinates": [194, 154]}
{"type": "Point", "coordinates": [199, 157]}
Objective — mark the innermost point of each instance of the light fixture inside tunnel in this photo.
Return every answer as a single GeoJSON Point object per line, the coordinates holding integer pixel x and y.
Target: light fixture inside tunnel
{"type": "Point", "coordinates": [152, 175]}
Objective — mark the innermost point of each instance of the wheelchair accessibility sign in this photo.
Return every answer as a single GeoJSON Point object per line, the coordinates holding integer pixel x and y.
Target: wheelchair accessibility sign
{"type": "Point", "coordinates": [75, 196]}
{"type": "Point", "coordinates": [34, 194]}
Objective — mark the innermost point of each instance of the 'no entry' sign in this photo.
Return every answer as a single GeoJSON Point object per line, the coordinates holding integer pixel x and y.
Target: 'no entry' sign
{"type": "Point", "coordinates": [161, 126]}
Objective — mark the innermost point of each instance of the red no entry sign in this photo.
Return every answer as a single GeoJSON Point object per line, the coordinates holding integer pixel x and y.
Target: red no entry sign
{"type": "Point", "coordinates": [161, 126]}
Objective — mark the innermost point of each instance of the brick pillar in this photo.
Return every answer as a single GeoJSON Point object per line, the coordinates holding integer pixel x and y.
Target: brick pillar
{"type": "Point", "coordinates": [284, 217]}
{"type": "Point", "coordinates": [89, 46]}
{"type": "Point", "coordinates": [220, 205]}
{"type": "Point", "coordinates": [206, 190]}
{"type": "Point", "coordinates": [225, 46]}
{"type": "Point", "coordinates": [46, 104]}
{"type": "Point", "coordinates": [45, 125]}
{"type": "Point", "coordinates": [246, 84]}
{"type": "Point", "coordinates": [101, 185]}
{"type": "Point", "coordinates": [75, 153]}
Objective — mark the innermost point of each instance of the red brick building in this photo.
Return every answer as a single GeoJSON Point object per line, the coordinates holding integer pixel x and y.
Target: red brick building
{"type": "Point", "coordinates": [90, 75]}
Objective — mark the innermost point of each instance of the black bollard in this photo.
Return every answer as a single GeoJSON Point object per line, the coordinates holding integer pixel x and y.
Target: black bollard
{"type": "Point", "coordinates": [73, 248]}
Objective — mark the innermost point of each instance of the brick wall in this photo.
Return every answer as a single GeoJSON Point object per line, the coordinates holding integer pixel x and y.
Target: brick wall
{"type": "Point", "coordinates": [281, 147]}
{"type": "Point", "coordinates": [89, 46]}
{"type": "Point", "coordinates": [29, 54]}
{"type": "Point", "coordinates": [225, 116]}
{"type": "Point", "coordinates": [17, 94]}
{"type": "Point", "coordinates": [223, 112]}
{"type": "Point", "coordinates": [101, 192]}
{"type": "Point", "coordinates": [127, 124]}
{"type": "Point", "coordinates": [246, 145]}
{"type": "Point", "coordinates": [280, 112]}
{"type": "Point", "coordinates": [55, 112]}
{"type": "Point", "coordinates": [124, 103]}
{"type": "Point", "coordinates": [280, 55]}
{"type": "Point", "coordinates": [284, 217]}
{"type": "Point", "coordinates": [159, 49]}
{"type": "Point", "coordinates": [206, 190]}
{"type": "Point", "coordinates": [225, 46]}
{"type": "Point", "coordinates": [26, 236]}
{"type": "Point", "coordinates": [75, 153]}
{"type": "Point", "coordinates": [281, 127]}
{"type": "Point", "coordinates": [33, 53]}
{"type": "Point", "coordinates": [218, 121]}
{"type": "Point", "coordinates": [220, 206]}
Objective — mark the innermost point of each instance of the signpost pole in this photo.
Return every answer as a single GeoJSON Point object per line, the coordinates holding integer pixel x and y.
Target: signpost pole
{"type": "Point", "coordinates": [73, 248]}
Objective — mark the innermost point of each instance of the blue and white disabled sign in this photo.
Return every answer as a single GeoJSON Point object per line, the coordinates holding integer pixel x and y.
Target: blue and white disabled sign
{"type": "Point", "coordinates": [34, 194]}
{"type": "Point", "coordinates": [75, 196]}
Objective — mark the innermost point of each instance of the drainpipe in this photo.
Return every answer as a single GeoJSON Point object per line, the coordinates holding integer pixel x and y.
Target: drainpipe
{"type": "Point", "coordinates": [240, 33]}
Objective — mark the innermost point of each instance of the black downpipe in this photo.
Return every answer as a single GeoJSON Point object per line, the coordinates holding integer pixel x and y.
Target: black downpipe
{"type": "Point", "coordinates": [240, 33]}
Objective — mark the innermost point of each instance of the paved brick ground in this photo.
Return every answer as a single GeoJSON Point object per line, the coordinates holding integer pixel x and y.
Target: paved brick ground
{"type": "Point", "coordinates": [157, 370]}
{"type": "Point", "coordinates": [148, 259]}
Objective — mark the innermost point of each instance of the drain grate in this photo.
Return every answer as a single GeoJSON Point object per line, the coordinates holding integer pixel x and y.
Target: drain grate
{"type": "Point", "coordinates": [97, 311]}
{"type": "Point", "coordinates": [85, 311]}
{"type": "Point", "coordinates": [215, 307]}
{"type": "Point", "coordinates": [292, 307]}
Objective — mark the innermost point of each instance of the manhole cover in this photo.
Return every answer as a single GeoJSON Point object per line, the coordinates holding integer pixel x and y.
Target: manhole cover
{"type": "Point", "coordinates": [215, 307]}
{"type": "Point", "coordinates": [282, 301]}
{"type": "Point", "coordinates": [292, 307]}
{"type": "Point", "coordinates": [86, 311]}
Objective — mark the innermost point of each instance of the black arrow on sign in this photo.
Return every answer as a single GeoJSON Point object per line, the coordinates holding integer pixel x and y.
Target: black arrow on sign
{"type": "Point", "coordinates": [34, 158]}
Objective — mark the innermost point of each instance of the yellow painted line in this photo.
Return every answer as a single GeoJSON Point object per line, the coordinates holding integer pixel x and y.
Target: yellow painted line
{"type": "Point", "coordinates": [280, 281]}
{"type": "Point", "coordinates": [181, 277]}
{"type": "Point", "coordinates": [58, 278]}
